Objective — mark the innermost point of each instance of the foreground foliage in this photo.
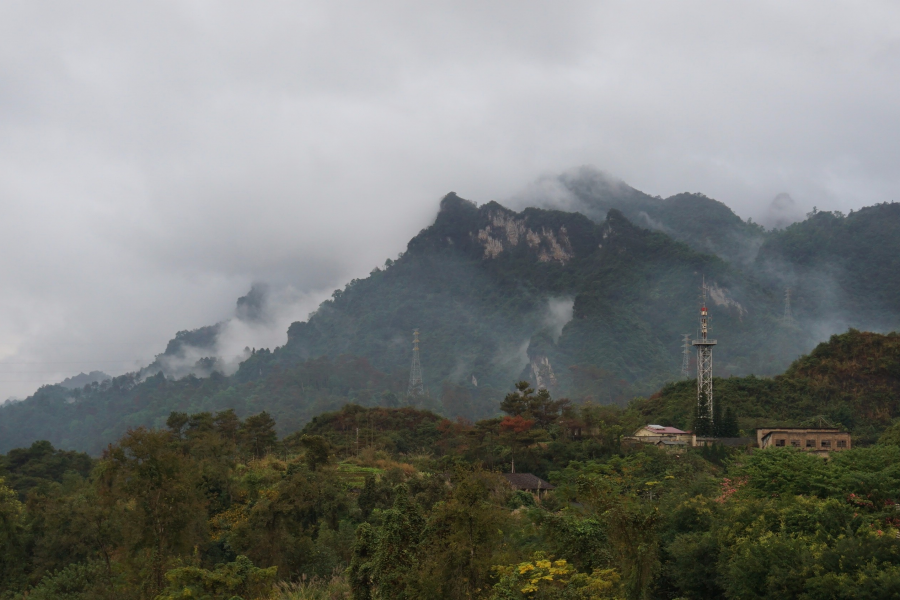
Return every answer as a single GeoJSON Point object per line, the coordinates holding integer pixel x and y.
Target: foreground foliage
{"type": "Point", "coordinates": [215, 507]}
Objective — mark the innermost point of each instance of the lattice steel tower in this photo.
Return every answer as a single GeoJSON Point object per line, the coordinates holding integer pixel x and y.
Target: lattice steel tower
{"type": "Point", "coordinates": [686, 356]}
{"type": "Point", "coordinates": [788, 318]}
{"type": "Point", "coordinates": [704, 363]}
{"type": "Point", "coordinates": [415, 371]}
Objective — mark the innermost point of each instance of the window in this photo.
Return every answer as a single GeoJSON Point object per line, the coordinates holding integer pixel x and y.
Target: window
{"type": "Point", "coordinates": [810, 443]}
{"type": "Point", "coordinates": [842, 443]}
{"type": "Point", "coordinates": [826, 443]}
{"type": "Point", "coordinates": [779, 442]}
{"type": "Point", "coordinates": [795, 443]}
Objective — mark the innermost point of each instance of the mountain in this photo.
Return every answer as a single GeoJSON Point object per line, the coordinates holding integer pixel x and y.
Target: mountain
{"type": "Point", "coordinates": [703, 223]}
{"type": "Point", "coordinates": [590, 304]}
{"type": "Point", "coordinates": [83, 379]}
{"type": "Point", "coordinates": [840, 268]}
{"type": "Point", "coordinates": [481, 284]}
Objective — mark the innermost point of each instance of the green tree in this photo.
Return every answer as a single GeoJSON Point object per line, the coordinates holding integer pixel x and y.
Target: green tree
{"type": "Point", "coordinates": [891, 435]}
{"type": "Point", "coordinates": [316, 450]}
{"type": "Point", "coordinates": [360, 573]}
{"type": "Point", "coordinates": [464, 537]}
{"type": "Point", "coordinates": [177, 422]}
{"type": "Point", "coordinates": [239, 578]}
{"type": "Point", "coordinates": [539, 406]}
{"type": "Point", "coordinates": [631, 527]}
{"type": "Point", "coordinates": [258, 435]}
{"type": "Point", "coordinates": [165, 515]}
{"type": "Point", "coordinates": [396, 555]}
{"type": "Point", "coordinates": [81, 581]}
{"type": "Point", "coordinates": [228, 424]}
{"type": "Point", "coordinates": [11, 538]}
{"type": "Point", "coordinates": [279, 524]}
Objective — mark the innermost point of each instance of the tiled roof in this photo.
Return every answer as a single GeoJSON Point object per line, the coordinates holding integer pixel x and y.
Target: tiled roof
{"type": "Point", "coordinates": [527, 481]}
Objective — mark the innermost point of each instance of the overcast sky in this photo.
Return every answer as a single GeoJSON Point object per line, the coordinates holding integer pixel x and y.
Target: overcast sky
{"type": "Point", "coordinates": [156, 158]}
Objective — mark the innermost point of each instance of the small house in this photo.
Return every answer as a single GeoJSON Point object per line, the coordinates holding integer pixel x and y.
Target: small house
{"type": "Point", "coordinates": [528, 483]}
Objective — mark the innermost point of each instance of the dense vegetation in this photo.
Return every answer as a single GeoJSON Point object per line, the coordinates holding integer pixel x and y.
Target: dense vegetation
{"type": "Point", "coordinates": [385, 503]}
{"type": "Point", "coordinates": [852, 381]}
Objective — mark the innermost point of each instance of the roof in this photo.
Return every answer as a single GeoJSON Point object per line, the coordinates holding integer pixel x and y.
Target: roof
{"type": "Point", "coordinates": [527, 481]}
{"type": "Point", "coordinates": [672, 442]}
{"type": "Point", "coordinates": [822, 429]}
{"type": "Point", "coordinates": [661, 430]}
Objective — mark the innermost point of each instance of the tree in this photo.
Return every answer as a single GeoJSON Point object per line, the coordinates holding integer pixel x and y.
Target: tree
{"type": "Point", "coordinates": [228, 424]}
{"type": "Point", "coordinates": [517, 403]}
{"type": "Point", "coordinates": [374, 494]}
{"type": "Point", "coordinates": [396, 554]}
{"type": "Point", "coordinates": [631, 526]}
{"type": "Point", "coordinates": [728, 426]}
{"type": "Point", "coordinates": [279, 525]}
{"type": "Point", "coordinates": [11, 536]}
{"type": "Point", "coordinates": [258, 435]}
{"type": "Point", "coordinates": [463, 537]}
{"type": "Point", "coordinates": [891, 435]}
{"type": "Point", "coordinates": [548, 579]}
{"type": "Point", "coordinates": [176, 422]}
{"type": "Point", "coordinates": [538, 406]}
{"type": "Point", "coordinates": [361, 568]}
{"type": "Point", "coordinates": [517, 432]}
{"type": "Point", "coordinates": [228, 581]}
{"type": "Point", "coordinates": [316, 450]}
{"type": "Point", "coordinates": [166, 516]}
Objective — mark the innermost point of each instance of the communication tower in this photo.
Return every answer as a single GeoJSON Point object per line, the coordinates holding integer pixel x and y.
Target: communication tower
{"type": "Point", "coordinates": [704, 363]}
{"type": "Point", "coordinates": [686, 356]}
{"type": "Point", "coordinates": [788, 318]}
{"type": "Point", "coordinates": [415, 371]}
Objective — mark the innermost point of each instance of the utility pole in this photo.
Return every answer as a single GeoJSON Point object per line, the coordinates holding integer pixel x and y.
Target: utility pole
{"type": "Point", "coordinates": [704, 362]}
{"type": "Point", "coordinates": [416, 388]}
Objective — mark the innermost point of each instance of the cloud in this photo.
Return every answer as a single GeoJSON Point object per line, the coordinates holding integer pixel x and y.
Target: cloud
{"type": "Point", "coordinates": [559, 313]}
{"type": "Point", "coordinates": [157, 158]}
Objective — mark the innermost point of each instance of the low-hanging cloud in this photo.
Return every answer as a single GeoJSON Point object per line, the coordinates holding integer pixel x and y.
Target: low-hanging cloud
{"type": "Point", "coordinates": [157, 158]}
{"type": "Point", "coordinates": [559, 313]}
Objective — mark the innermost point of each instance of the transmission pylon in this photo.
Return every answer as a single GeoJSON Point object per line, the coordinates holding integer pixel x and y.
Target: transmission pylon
{"type": "Point", "coordinates": [788, 318]}
{"type": "Point", "coordinates": [686, 356]}
{"type": "Point", "coordinates": [704, 362]}
{"type": "Point", "coordinates": [415, 371]}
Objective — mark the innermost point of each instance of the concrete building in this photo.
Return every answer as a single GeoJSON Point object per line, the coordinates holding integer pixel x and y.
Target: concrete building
{"type": "Point", "coordinates": [808, 439]}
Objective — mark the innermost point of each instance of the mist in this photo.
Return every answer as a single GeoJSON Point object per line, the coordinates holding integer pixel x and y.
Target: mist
{"type": "Point", "coordinates": [158, 159]}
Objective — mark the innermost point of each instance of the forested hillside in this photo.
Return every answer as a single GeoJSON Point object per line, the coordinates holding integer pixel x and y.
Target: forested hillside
{"type": "Point", "coordinates": [480, 283]}
{"type": "Point", "coordinates": [594, 307]}
{"type": "Point", "coordinates": [852, 381]}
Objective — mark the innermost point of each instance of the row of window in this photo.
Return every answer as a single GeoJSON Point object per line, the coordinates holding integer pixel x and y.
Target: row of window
{"type": "Point", "coordinates": [811, 443]}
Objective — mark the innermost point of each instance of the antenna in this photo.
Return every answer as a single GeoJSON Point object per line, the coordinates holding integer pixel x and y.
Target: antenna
{"type": "Point", "coordinates": [415, 371]}
{"type": "Point", "coordinates": [788, 318]}
{"type": "Point", "coordinates": [686, 356]}
{"type": "Point", "coordinates": [704, 365]}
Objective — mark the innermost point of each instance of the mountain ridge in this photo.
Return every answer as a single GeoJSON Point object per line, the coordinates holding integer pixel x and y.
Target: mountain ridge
{"type": "Point", "coordinates": [593, 309]}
